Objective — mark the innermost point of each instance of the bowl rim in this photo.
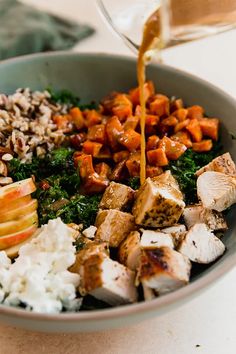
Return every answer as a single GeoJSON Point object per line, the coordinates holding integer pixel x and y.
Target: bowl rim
{"type": "Point", "coordinates": [157, 304]}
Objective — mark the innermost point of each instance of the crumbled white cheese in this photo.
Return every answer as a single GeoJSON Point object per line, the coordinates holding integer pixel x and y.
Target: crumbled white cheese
{"type": "Point", "coordinates": [90, 231]}
{"type": "Point", "coordinates": [39, 277]}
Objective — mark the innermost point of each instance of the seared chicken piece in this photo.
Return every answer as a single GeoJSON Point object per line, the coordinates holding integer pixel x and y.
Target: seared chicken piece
{"type": "Point", "coordinates": [90, 232]}
{"type": "Point", "coordinates": [216, 190]}
{"type": "Point", "coordinates": [157, 204]}
{"type": "Point", "coordinates": [129, 250]}
{"type": "Point", "coordinates": [177, 232]}
{"type": "Point", "coordinates": [223, 164]}
{"type": "Point", "coordinates": [164, 269]}
{"type": "Point", "coordinates": [113, 226]}
{"type": "Point", "coordinates": [167, 179]}
{"type": "Point", "coordinates": [195, 214]}
{"type": "Point", "coordinates": [154, 239]}
{"type": "Point", "coordinates": [201, 245]}
{"type": "Point", "coordinates": [117, 196]}
{"type": "Point", "coordinates": [108, 280]}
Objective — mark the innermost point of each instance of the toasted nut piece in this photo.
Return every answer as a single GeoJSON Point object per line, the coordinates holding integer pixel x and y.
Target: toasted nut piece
{"type": "Point", "coordinates": [3, 169]}
{"type": "Point", "coordinates": [5, 181]}
{"type": "Point", "coordinates": [7, 157]}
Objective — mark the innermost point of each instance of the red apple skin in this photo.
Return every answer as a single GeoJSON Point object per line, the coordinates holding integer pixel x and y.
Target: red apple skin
{"type": "Point", "coordinates": [17, 203]}
{"type": "Point", "coordinates": [17, 237]}
{"type": "Point", "coordinates": [14, 226]}
{"type": "Point", "coordinates": [12, 251]}
{"type": "Point", "coordinates": [16, 190]}
{"type": "Point", "coordinates": [18, 212]}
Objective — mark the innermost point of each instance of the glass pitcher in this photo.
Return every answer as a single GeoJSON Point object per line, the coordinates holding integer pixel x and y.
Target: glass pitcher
{"type": "Point", "coordinates": [181, 20]}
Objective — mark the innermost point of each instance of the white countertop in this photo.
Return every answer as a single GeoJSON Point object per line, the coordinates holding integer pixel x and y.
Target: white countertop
{"type": "Point", "coordinates": [205, 325]}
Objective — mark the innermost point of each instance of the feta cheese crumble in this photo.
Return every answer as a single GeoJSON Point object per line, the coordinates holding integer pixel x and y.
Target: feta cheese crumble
{"type": "Point", "coordinates": [39, 278]}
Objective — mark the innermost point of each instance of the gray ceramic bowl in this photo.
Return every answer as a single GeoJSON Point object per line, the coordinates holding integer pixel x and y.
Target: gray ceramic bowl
{"type": "Point", "coordinates": [92, 76]}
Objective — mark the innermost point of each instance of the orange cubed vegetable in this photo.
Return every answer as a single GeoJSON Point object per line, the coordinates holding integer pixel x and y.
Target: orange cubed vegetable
{"type": "Point", "coordinates": [130, 139]}
{"type": "Point", "coordinates": [113, 130]}
{"type": "Point", "coordinates": [180, 114]}
{"type": "Point", "coordinates": [77, 140]}
{"type": "Point", "coordinates": [92, 117]}
{"type": "Point", "coordinates": [170, 121]}
{"type": "Point", "coordinates": [157, 157]}
{"type": "Point", "coordinates": [119, 172]}
{"type": "Point", "coordinates": [149, 91]}
{"type": "Point", "coordinates": [133, 164]}
{"type": "Point", "coordinates": [160, 105]}
{"type": "Point", "coordinates": [176, 104]}
{"type": "Point", "coordinates": [173, 149]}
{"type": "Point", "coordinates": [104, 153]}
{"type": "Point", "coordinates": [103, 169]}
{"type": "Point", "coordinates": [62, 122]}
{"type": "Point", "coordinates": [210, 127]}
{"type": "Point", "coordinates": [181, 125]}
{"type": "Point", "coordinates": [152, 142]}
{"type": "Point", "coordinates": [122, 106]}
{"type": "Point", "coordinates": [95, 184]}
{"type": "Point", "coordinates": [131, 123]}
{"type": "Point", "coordinates": [183, 138]}
{"type": "Point", "coordinates": [77, 117]}
{"type": "Point", "coordinates": [97, 133]}
{"type": "Point", "coordinates": [91, 148]}
{"type": "Point", "coordinates": [195, 112]}
{"type": "Point", "coordinates": [85, 164]}
{"type": "Point", "coordinates": [203, 146]}
{"type": "Point", "coordinates": [120, 155]}
{"type": "Point", "coordinates": [151, 122]}
{"type": "Point", "coordinates": [195, 130]}
{"type": "Point", "coordinates": [153, 171]}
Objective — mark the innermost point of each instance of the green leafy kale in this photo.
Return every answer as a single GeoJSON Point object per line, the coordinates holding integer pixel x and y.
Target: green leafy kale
{"type": "Point", "coordinates": [185, 167]}
{"type": "Point", "coordinates": [133, 182]}
{"type": "Point", "coordinates": [66, 97]}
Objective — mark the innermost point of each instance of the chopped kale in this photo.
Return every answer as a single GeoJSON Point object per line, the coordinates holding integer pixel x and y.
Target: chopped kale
{"type": "Point", "coordinates": [66, 97]}
{"type": "Point", "coordinates": [133, 182]}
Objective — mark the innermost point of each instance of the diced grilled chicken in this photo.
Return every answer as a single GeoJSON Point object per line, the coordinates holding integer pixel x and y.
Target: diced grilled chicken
{"type": "Point", "coordinates": [177, 232]}
{"type": "Point", "coordinates": [216, 190]}
{"type": "Point", "coordinates": [129, 250]}
{"type": "Point", "coordinates": [108, 280]}
{"type": "Point", "coordinates": [195, 214]}
{"type": "Point", "coordinates": [157, 204]}
{"type": "Point", "coordinates": [167, 179]}
{"type": "Point", "coordinates": [117, 196]}
{"type": "Point", "coordinates": [153, 239]}
{"type": "Point", "coordinates": [164, 269]}
{"type": "Point", "coordinates": [113, 226]}
{"type": "Point", "coordinates": [148, 293]}
{"type": "Point", "coordinates": [200, 245]}
{"type": "Point", "coordinates": [223, 164]}
{"type": "Point", "coordinates": [90, 232]}
{"type": "Point", "coordinates": [88, 249]}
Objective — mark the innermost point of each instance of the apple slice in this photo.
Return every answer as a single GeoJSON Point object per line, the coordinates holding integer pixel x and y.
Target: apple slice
{"type": "Point", "coordinates": [17, 237]}
{"type": "Point", "coordinates": [18, 225]}
{"type": "Point", "coordinates": [12, 252]}
{"type": "Point", "coordinates": [16, 190]}
{"type": "Point", "coordinates": [17, 203]}
{"type": "Point", "coordinates": [18, 212]}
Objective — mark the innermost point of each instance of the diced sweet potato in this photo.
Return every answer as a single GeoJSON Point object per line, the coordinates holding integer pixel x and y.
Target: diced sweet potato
{"type": "Point", "coordinates": [130, 139]}
{"type": "Point", "coordinates": [157, 157]}
{"type": "Point", "coordinates": [103, 169]}
{"type": "Point", "coordinates": [180, 114]}
{"type": "Point", "coordinates": [195, 130]}
{"type": "Point", "coordinates": [160, 105]}
{"type": "Point", "coordinates": [148, 92]}
{"type": "Point", "coordinates": [152, 142]}
{"type": "Point", "coordinates": [122, 107]}
{"type": "Point", "coordinates": [176, 104]}
{"type": "Point", "coordinates": [85, 163]}
{"type": "Point", "coordinates": [181, 125]}
{"type": "Point", "coordinates": [170, 121]}
{"type": "Point", "coordinates": [92, 117]}
{"type": "Point", "coordinates": [97, 133]}
{"type": "Point", "coordinates": [153, 171]}
{"type": "Point", "coordinates": [119, 172]}
{"type": "Point", "coordinates": [173, 149]}
{"type": "Point", "coordinates": [120, 156]}
{"type": "Point", "coordinates": [203, 146]}
{"type": "Point", "coordinates": [62, 122]}
{"type": "Point", "coordinates": [77, 117]}
{"type": "Point", "coordinates": [95, 184]}
{"type": "Point", "coordinates": [113, 130]}
{"type": "Point", "coordinates": [77, 140]}
{"type": "Point", "coordinates": [195, 112]}
{"type": "Point", "coordinates": [183, 138]}
{"type": "Point", "coordinates": [210, 127]}
{"type": "Point", "coordinates": [133, 164]}
{"type": "Point", "coordinates": [131, 123]}
{"type": "Point", "coordinates": [91, 148]}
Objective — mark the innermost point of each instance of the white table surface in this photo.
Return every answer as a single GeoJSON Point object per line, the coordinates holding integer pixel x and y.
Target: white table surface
{"type": "Point", "coordinates": [206, 325]}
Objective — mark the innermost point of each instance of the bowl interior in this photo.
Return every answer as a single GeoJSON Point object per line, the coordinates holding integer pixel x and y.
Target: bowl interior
{"type": "Point", "coordinates": [92, 77]}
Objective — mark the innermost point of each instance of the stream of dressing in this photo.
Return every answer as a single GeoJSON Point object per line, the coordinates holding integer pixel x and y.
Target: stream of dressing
{"type": "Point", "coordinates": [151, 41]}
